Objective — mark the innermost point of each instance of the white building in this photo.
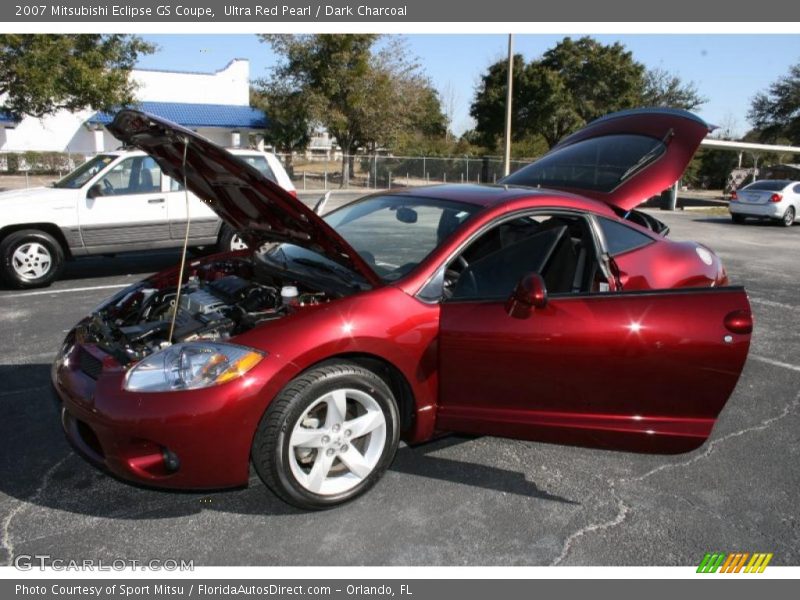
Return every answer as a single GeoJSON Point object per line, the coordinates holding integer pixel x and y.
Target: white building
{"type": "Point", "coordinates": [216, 105]}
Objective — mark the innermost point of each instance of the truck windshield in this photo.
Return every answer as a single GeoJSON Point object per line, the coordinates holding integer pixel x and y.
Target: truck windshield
{"type": "Point", "coordinates": [85, 172]}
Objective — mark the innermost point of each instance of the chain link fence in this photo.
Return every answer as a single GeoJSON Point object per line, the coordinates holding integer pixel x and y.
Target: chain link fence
{"type": "Point", "coordinates": [366, 172]}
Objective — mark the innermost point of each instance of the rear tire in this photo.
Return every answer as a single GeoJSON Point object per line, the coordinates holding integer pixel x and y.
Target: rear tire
{"type": "Point", "coordinates": [328, 436]}
{"type": "Point", "coordinates": [788, 217]}
{"type": "Point", "coordinates": [30, 258]}
{"type": "Point", "coordinates": [738, 219]}
{"type": "Point", "coordinates": [229, 240]}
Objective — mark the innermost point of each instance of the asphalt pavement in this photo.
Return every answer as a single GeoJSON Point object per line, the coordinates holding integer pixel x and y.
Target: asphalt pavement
{"type": "Point", "coordinates": [457, 501]}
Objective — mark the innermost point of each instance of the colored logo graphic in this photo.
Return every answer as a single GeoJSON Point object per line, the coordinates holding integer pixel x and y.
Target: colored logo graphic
{"type": "Point", "coordinates": [734, 562]}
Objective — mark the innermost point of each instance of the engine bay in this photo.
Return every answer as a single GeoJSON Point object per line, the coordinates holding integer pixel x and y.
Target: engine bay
{"type": "Point", "coordinates": [216, 302]}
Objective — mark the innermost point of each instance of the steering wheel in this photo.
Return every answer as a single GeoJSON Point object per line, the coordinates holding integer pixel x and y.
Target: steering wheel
{"type": "Point", "coordinates": [452, 276]}
{"type": "Point", "coordinates": [108, 188]}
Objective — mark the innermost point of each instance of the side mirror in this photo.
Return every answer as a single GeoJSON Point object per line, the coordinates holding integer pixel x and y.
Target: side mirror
{"type": "Point", "coordinates": [95, 191]}
{"type": "Point", "coordinates": [530, 293]}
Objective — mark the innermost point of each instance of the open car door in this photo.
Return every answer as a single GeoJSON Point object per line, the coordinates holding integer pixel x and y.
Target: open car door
{"type": "Point", "coordinates": [645, 371]}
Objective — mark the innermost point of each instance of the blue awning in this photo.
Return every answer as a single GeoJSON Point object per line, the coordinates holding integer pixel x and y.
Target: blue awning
{"type": "Point", "coordinates": [226, 116]}
{"type": "Point", "coordinates": [7, 120]}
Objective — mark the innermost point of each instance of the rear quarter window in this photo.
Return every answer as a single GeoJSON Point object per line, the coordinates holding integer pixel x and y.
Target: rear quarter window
{"type": "Point", "coordinates": [621, 238]}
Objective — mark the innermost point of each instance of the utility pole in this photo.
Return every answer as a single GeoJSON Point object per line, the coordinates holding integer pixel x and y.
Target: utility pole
{"type": "Point", "coordinates": [509, 91]}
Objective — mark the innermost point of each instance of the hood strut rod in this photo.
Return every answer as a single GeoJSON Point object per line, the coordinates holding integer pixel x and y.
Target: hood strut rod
{"type": "Point", "coordinates": [185, 244]}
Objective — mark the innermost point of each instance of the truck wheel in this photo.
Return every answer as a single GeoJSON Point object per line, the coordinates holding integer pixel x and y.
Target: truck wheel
{"type": "Point", "coordinates": [229, 240]}
{"type": "Point", "coordinates": [30, 258]}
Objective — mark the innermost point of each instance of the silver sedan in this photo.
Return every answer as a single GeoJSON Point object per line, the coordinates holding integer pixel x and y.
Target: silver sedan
{"type": "Point", "coordinates": [776, 199]}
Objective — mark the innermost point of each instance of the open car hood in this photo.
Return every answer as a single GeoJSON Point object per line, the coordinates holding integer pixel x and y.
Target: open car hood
{"type": "Point", "coordinates": [258, 209]}
{"type": "Point", "coordinates": [621, 159]}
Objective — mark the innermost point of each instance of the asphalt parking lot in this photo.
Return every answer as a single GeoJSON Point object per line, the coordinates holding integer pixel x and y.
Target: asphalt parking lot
{"type": "Point", "coordinates": [457, 501]}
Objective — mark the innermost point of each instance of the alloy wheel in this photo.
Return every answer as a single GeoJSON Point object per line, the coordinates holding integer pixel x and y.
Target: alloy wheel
{"type": "Point", "coordinates": [337, 442]}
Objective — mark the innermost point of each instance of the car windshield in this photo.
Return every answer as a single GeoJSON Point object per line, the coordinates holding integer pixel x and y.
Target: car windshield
{"type": "Point", "coordinates": [393, 234]}
{"type": "Point", "coordinates": [599, 164]}
{"type": "Point", "coordinates": [85, 172]}
{"type": "Point", "coordinates": [768, 185]}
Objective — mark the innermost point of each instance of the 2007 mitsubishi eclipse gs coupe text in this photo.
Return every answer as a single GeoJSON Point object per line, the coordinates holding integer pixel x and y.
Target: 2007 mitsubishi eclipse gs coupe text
{"type": "Point", "coordinates": [545, 308]}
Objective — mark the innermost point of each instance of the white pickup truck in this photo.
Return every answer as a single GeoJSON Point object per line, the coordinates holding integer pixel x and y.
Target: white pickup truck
{"type": "Point", "coordinates": [115, 202]}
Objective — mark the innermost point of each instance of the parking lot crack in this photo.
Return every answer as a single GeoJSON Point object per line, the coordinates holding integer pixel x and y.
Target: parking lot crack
{"type": "Point", "coordinates": [624, 510]}
{"type": "Point", "coordinates": [621, 514]}
{"type": "Point", "coordinates": [6, 542]}
{"type": "Point", "coordinates": [713, 444]}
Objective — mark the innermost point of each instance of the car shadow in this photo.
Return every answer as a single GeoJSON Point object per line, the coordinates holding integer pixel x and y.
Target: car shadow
{"type": "Point", "coordinates": [39, 467]}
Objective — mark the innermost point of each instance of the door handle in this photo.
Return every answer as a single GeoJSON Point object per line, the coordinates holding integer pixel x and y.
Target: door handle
{"type": "Point", "coordinates": [156, 201]}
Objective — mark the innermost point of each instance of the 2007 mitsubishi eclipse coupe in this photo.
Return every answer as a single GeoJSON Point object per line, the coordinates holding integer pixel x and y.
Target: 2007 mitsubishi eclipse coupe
{"type": "Point", "coordinates": [545, 308]}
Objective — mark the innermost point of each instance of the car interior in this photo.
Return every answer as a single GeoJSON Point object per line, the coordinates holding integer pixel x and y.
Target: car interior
{"type": "Point", "coordinates": [557, 246]}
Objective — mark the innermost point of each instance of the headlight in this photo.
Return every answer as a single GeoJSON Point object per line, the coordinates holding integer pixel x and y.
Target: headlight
{"type": "Point", "coordinates": [191, 366]}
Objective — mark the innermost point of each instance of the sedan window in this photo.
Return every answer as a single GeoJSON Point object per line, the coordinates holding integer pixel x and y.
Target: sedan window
{"type": "Point", "coordinates": [767, 185]}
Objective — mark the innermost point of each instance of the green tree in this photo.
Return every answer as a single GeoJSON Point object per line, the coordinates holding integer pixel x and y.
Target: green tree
{"type": "Point", "coordinates": [776, 113]}
{"type": "Point", "coordinates": [287, 115]}
{"type": "Point", "coordinates": [662, 88]}
{"type": "Point", "coordinates": [40, 74]}
{"type": "Point", "coordinates": [488, 107]}
{"type": "Point", "coordinates": [572, 83]}
{"type": "Point", "coordinates": [364, 97]}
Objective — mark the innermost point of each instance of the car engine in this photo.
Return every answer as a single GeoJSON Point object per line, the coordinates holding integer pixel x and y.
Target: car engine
{"type": "Point", "coordinates": [218, 301]}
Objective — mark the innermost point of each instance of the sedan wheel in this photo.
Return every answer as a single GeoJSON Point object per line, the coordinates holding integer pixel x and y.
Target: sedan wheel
{"type": "Point", "coordinates": [328, 437]}
{"type": "Point", "coordinates": [788, 217]}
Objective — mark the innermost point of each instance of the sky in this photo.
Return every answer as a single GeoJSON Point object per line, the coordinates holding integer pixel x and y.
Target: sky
{"type": "Point", "coordinates": [727, 69]}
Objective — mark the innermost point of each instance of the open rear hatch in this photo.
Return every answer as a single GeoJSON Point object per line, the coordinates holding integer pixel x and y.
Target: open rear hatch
{"type": "Point", "coordinates": [621, 159]}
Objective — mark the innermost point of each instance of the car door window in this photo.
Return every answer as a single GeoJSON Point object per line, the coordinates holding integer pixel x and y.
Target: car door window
{"type": "Point", "coordinates": [135, 175]}
{"type": "Point", "coordinates": [796, 189]}
{"type": "Point", "coordinates": [558, 247]}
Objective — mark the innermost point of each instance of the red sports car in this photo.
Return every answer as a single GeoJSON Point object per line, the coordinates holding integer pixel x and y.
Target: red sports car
{"type": "Point", "coordinates": [544, 308]}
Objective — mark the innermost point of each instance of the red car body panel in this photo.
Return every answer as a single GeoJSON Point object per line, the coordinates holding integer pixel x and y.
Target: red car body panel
{"type": "Point", "coordinates": [646, 367]}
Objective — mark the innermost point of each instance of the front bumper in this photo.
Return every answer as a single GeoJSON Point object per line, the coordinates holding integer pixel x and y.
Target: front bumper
{"type": "Point", "coordinates": [770, 210]}
{"type": "Point", "coordinates": [195, 439]}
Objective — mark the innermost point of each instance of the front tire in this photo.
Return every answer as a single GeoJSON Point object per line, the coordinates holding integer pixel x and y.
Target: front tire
{"type": "Point", "coordinates": [788, 217]}
{"type": "Point", "coordinates": [328, 437]}
{"type": "Point", "coordinates": [30, 258]}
